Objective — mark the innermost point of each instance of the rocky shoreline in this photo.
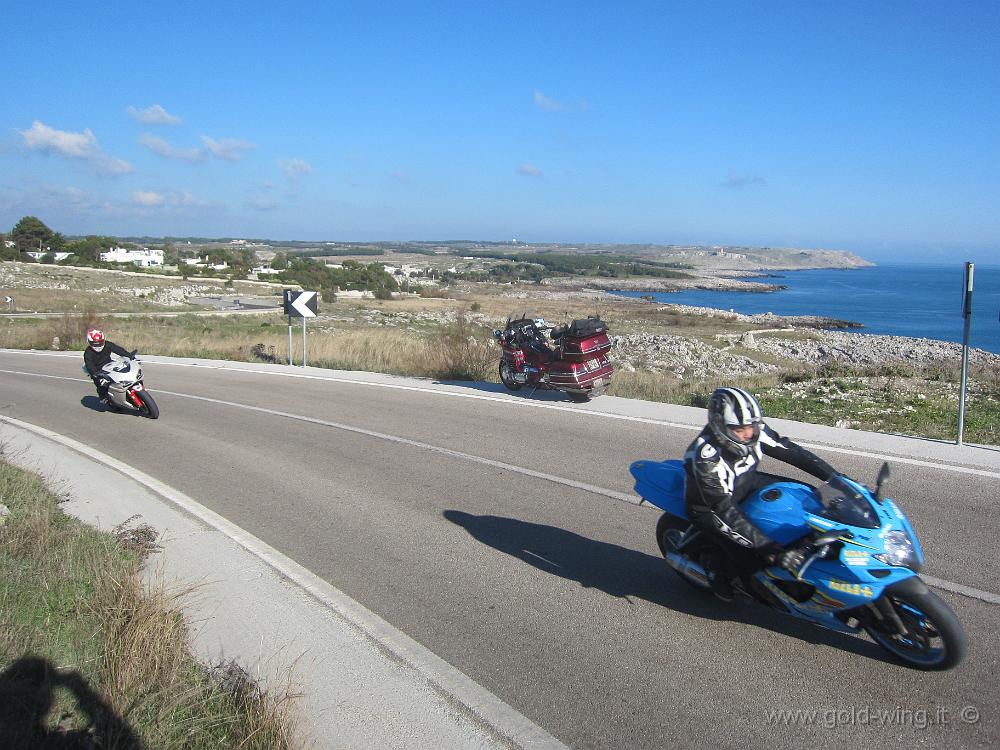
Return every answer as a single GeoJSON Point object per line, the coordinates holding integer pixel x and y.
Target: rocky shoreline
{"type": "Point", "coordinates": [810, 340]}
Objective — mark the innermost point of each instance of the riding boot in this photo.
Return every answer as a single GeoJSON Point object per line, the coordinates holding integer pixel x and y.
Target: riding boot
{"type": "Point", "coordinates": [716, 571]}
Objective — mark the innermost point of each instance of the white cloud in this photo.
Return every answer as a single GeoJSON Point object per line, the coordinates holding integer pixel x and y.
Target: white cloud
{"type": "Point", "coordinates": [155, 115]}
{"type": "Point", "coordinates": [163, 148]}
{"type": "Point", "coordinates": [228, 149]}
{"type": "Point", "coordinates": [529, 170]}
{"type": "Point", "coordinates": [544, 102]}
{"type": "Point", "coordinates": [172, 200]}
{"type": "Point", "coordinates": [549, 104]}
{"type": "Point", "coordinates": [41, 137]}
{"type": "Point", "coordinates": [148, 198]}
{"type": "Point", "coordinates": [294, 168]}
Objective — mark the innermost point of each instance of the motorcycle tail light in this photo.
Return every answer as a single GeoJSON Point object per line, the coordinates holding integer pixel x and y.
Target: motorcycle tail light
{"type": "Point", "coordinates": [518, 357]}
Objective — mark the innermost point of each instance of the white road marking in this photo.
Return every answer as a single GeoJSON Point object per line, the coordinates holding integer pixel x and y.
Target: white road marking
{"type": "Point", "coordinates": [957, 588]}
{"type": "Point", "coordinates": [530, 404]}
{"type": "Point", "coordinates": [504, 719]}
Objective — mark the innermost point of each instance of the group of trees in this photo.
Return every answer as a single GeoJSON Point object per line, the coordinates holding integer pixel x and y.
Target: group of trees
{"type": "Point", "coordinates": [31, 235]}
{"type": "Point", "coordinates": [536, 266]}
{"type": "Point", "coordinates": [315, 274]}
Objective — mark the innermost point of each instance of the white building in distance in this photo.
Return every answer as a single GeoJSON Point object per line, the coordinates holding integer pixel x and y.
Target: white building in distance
{"type": "Point", "coordinates": [143, 257]}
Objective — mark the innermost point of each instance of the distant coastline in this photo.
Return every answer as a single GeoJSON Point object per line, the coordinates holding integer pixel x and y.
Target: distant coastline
{"type": "Point", "coordinates": [914, 301]}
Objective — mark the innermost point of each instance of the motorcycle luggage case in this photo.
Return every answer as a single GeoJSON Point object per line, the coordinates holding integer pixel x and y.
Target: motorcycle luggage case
{"type": "Point", "coordinates": [578, 375]}
{"type": "Point", "coordinates": [578, 349]}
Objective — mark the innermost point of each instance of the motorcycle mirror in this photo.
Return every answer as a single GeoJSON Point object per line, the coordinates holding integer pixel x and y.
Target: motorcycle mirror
{"type": "Point", "coordinates": [883, 477]}
{"type": "Point", "coordinates": [497, 333]}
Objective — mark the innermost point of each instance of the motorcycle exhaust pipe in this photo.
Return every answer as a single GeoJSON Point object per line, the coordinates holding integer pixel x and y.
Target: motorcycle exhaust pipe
{"type": "Point", "coordinates": [686, 567]}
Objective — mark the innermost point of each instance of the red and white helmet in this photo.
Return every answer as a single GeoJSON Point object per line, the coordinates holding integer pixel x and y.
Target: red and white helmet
{"type": "Point", "coordinates": [95, 338]}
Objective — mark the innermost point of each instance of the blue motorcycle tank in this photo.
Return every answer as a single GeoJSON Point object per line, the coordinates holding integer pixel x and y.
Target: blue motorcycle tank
{"type": "Point", "coordinates": [780, 510]}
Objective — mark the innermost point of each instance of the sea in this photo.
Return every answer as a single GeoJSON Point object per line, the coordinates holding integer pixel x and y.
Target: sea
{"type": "Point", "coordinates": [915, 300]}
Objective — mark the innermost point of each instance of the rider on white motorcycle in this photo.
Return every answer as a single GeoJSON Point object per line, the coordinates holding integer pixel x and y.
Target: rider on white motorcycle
{"type": "Point", "coordinates": [722, 469]}
{"type": "Point", "coordinates": [98, 354]}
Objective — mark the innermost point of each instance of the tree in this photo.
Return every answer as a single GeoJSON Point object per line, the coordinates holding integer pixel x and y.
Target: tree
{"type": "Point", "coordinates": [30, 233]}
{"type": "Point", "coordinates": [89, 249]}
{"type": "Point", "coordinates": [279, 262]}
{"type": "Point", "coordinates": [171, 256]}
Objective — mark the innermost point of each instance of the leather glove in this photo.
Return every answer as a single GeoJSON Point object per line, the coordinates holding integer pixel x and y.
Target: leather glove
{"type": "Point", "coordinates": [791, 559]}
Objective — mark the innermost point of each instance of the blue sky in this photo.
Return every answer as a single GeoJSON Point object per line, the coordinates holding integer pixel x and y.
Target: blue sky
{"type": "Point", "coordinates": [862, 126]}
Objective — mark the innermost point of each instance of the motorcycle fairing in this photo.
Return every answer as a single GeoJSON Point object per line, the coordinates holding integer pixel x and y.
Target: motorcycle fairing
{"type": "Point", "coordinates": [662, 484]}
{"type": "Point", "coordinates": [847, 577]}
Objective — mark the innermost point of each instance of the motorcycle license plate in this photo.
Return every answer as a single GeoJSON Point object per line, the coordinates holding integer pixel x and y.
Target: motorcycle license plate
{"type": "Point", "coordinates": [593, 364]}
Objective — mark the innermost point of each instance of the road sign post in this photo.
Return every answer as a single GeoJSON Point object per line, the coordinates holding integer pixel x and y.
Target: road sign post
{"type": "Point", "coordinates": [299, 305]}
{"type": "Point", "coordinates": [967, 315]}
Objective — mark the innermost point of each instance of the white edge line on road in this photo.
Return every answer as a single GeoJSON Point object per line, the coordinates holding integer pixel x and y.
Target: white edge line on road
{"type": "Point", "coordinates": [957, 588]}
{"type": "Point", "coordinates": [532, 404]}
{"type": "Point", "coordinates": [504, 719]}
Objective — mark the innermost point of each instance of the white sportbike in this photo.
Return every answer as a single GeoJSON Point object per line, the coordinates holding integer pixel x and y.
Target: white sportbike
{"type": "Point", "coordinates": [126, 393]}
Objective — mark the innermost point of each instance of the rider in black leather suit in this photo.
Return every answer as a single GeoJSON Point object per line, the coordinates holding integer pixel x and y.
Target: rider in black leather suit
{"type": "Point", "coordinates": [722, 469]}
{"type": "Point", "coordinates": [98, 354]}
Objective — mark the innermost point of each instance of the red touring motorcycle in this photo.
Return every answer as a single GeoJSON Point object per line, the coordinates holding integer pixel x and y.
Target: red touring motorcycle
{"type": "Point", "coordinates": [578, 364]}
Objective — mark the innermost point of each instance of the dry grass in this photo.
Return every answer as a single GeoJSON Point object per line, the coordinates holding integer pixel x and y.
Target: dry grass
{"type": "Point", "coordinates": [89, 658]}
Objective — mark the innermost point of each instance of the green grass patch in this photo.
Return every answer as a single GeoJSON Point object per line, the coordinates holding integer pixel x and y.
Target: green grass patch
{"type": "Point", "coordinates": [89, 658]}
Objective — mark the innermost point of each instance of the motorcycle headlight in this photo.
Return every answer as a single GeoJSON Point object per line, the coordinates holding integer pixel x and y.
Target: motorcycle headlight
{"type": "Point", "coordinates": [899, 551]}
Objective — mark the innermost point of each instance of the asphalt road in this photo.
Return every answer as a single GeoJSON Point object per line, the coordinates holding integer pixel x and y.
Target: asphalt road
{"type": "Point", "coordinates": [420, 503]}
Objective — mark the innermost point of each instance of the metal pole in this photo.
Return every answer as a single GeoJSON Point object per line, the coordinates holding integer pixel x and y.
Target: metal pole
{"type": "Point", "coordinates": [303, 341]}
{"type": "Point", "coordinates": [289, 340]}
{"type": "Point", "coordinates": [967, 314]}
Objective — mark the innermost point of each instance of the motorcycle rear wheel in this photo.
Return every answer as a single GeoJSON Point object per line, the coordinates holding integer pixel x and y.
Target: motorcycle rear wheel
{"type": "Point", "coordinates": [507, 376]}
{"type": "Point", "coordinates": [934, 638]}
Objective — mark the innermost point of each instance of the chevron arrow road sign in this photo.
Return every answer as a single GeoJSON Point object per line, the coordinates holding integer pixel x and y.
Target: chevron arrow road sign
{"type": "Point", "coordinates": [301, 304]}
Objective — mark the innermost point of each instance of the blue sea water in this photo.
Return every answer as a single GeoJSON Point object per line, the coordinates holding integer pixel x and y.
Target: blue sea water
{"type": "Point", "coordinates": [920, 301]}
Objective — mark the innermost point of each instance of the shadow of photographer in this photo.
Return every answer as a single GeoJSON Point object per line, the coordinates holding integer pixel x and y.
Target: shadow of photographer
{"type": "Point", "coordinates": [627, 573]}
{"type": "Point", "coordinates": [27, 696]}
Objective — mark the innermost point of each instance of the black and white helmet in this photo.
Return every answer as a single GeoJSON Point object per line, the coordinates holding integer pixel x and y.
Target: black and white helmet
{"type": "Point", "coordinates": [734, 407]}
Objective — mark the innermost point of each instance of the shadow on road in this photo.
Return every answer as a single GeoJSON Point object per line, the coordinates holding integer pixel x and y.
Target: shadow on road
{"type": "Point", "coordinates": [95, 404]}
{"type": "Point", "coordinates": [527, 392]}
{"type": "Point", "coordinates": [627, 573]}
{"type": "Point", "coordinates": [27, 696]}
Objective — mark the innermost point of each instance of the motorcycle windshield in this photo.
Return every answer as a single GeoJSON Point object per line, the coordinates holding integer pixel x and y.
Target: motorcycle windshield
{"type": "Point", "coordinates": [845, 504]}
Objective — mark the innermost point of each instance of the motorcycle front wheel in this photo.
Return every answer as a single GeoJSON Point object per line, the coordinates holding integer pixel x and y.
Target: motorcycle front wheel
{"type": "Point", "coordinates": [507, 376]}
{"type": "Point", "coordinates": [148, 407]}
{"type": "Point", "coordinates": [934, 638]}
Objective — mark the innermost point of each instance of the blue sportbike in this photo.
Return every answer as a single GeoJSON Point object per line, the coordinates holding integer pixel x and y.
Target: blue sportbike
{"type": "Point", "coordinates": [860, 573]}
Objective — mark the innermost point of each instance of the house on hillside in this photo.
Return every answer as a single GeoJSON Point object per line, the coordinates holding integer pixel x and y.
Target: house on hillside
{"type": "Point", "coordinates": [143, 257]}
{"type": "Point", "coordinates": [264, 271]}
